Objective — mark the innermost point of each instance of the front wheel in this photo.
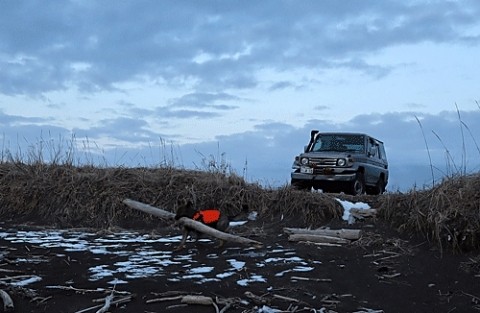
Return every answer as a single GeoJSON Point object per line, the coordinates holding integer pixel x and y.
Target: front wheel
{"type": "Point", "coordinates": [357, 186]}
{"type": "Point", "coordinates": [378, 189]}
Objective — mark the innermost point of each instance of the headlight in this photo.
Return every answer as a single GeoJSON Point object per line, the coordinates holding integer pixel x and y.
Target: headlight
{"type": "Point", "coordinates": [304, 161]}
{"type": "Point", "coordinates": [341, 162]}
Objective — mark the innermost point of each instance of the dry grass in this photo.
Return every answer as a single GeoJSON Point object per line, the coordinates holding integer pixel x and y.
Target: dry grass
{"type": "Point", "coordinates": [448, 214]}
{"type": "Point", "coordinates": [86, 196]}
{"type": "Point", "coordinates": [472, 266]}
{"type": "Point", "coordinates": [70, 196]}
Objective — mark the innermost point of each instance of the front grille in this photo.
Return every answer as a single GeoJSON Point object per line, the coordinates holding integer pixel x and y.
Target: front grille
{"type": "Point", "coordinates": [323, 171]}
{"type": "Point", "coordinates": [319, 162]}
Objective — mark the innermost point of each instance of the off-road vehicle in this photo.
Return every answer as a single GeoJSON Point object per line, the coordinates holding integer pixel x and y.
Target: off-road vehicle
{"type": "Point", "coordinates": [353, 163]}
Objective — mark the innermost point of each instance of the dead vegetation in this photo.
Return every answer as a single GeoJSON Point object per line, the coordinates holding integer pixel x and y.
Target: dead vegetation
{"type": "Point", "coordinates": [447, 214]}
{"type": "Point", "coordinates": [85, 196]}
{"type": "Point", "coordinates": [70, 196]}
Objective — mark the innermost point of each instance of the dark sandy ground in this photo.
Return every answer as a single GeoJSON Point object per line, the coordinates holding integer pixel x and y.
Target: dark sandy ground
{"type": "Point", "coordinates": [381, 272]}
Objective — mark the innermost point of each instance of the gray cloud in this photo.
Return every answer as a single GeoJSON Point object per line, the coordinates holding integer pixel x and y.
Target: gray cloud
{"type": "Point", "coordinates": [7, 120]}
{"type": "Point", "coordinates": [93, 45]}
{"type": "Point", "coordinates": [204, 100]}
{"type": "Point", "coordinates": [281, 85]}
{"type": "Point", "coordinates": [185, 114]}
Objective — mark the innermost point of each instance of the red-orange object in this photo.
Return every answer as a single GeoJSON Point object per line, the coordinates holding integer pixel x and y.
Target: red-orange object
{"type": "Point", "coordinates": [208, 216]}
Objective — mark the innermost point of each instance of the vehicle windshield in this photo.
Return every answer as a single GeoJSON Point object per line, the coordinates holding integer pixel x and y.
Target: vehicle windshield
{"type": "Point", "coordinates": [339, 142]}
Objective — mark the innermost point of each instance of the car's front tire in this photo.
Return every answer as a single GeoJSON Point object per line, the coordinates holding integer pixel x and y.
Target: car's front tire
{"type": "Point", "coordinates": [357, 186]}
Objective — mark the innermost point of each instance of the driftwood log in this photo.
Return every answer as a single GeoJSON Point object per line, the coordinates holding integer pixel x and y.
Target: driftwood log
{"type": "Point", "coordinates": [323, 236]}
{"type": "Point", "coordinates": [363, 213]}
{"type": "Point", "coordinates": [185, 221]}
{"type": "Point", "coordinates": [149, 209]}
{"type": "Point", "coordinates": [317, 238]}
{"type": "Point", "coordinates": [351, 234]}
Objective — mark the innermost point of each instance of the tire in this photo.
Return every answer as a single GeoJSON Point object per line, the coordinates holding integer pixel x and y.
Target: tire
{"type": "Point", "coordinates": [357, 186]}
{"type": "Point", "coordinates": [379, 187]}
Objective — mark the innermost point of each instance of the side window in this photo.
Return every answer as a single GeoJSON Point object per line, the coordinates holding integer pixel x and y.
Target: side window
{"type": "Point", "coordinates": [383, 155]}
{"type": "Point", "coordinates": [375, 151]}
{"type": "Point", "coordinates": [372, 148]}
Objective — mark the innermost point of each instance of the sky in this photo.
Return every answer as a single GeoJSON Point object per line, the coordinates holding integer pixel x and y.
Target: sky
{"type": "Point", "coordinates": [238, 85]}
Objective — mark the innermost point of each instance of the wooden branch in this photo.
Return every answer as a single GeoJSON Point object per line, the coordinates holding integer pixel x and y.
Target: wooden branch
{"type": "Point", "coordinates": [149, 209]}
{"type": "Point", "coordinates": [326, 244]}
{"type": "Point", "coordinates": [119, 301]}
{"type": "Point", "coordinates": [106, 306]}
{"type": "Point", "coordinates": [98, 290]}
{"type": "Point", "coordinates": [188, 299]}
{"type": "Point", "coordinates": [40, 300]}
{"type": "Point", "coordinates": [284, 298]}
{"type": "Point", "coordinates": [200, 227]}
{"type": "Point", "coordinates": [14, 278]}
{"type": "Point", "coordinates": [257, 299]}
{"type": "Point", "coordinates": [317, 238]}
{"type": "Point", "coordinates": [202, 300]}
{"type": "Point", "coordinates": [7, 301]}
{"type": "Point", "coordinates": [228, 302]}
{"type": "Point", "coordinates": [351, 234]}
{"type": "Point", "coordinates": [9, 271]}
{"type": "Point", "coordinates": [362, 213]}
{"type": "Point", "coordinates": [320, 280]}
{"type": "Point", "coordinates": [164, 299]}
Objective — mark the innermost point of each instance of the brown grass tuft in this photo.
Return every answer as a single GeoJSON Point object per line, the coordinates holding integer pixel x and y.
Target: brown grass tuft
{"type": "Point", "coordinates": [448, 214]}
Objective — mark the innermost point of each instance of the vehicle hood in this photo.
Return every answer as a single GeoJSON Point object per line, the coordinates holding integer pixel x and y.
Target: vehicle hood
{"type": "Point", "coordinates": [327, 154]}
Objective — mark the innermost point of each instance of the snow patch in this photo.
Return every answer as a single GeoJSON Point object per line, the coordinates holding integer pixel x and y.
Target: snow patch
{"type": "Point", "coordinates": [347, 206]}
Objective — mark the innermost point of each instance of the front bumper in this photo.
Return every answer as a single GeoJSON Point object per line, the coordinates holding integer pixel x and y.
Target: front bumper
{"type": "Point", "coordinates": [335, 177]}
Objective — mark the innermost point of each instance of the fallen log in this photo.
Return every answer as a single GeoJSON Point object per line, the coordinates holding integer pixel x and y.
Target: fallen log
{"type": "Point", "coordinates": [317, 238]}
{"type": "Point", "coordinates": [188, 299]}
{"type": "Point", "coordinates": [200, 227]}
{"type": "Point", "coordinates": [149, 209]}
{"type": "Point", "coordinates": [351, 234]}
{"type": "Point", "coordinates": [363, 213]}
{"type": "Point", "coordinates": [185, 221]}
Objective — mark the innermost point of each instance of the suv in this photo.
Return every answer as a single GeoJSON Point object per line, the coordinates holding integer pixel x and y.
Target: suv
{"type": "Point", "coordinates": [354, 163]}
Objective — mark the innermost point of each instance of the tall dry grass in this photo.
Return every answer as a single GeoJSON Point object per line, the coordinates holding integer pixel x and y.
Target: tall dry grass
{"type": "Point", "coordinates": [87, 196]}
{"type": "Point", "coordinates": [448, 213]}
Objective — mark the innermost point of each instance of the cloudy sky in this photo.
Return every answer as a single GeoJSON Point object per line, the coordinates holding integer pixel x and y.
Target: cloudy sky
{"type": "Point", "coordinates": [186, 82]}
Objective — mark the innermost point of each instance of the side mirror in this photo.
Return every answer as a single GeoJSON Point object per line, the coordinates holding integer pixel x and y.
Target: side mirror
{"type": "Point", "coordinates": [305, 148]}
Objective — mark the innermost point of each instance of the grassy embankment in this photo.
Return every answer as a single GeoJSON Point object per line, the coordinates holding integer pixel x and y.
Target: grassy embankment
{"type": "Point", "coordinates": [63, 194]}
